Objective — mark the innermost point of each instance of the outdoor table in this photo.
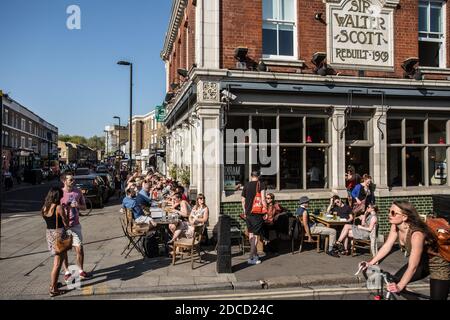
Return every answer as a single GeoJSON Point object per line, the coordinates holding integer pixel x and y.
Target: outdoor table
{"type": "Point", "coordinates": [329, 222]}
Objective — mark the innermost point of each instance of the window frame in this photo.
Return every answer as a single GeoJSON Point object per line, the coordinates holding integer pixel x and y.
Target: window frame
{"type": "Point", "coordinates": [277, 23]}
{"type": "Point", "coordinates": [426, 152]}
{"type": "Point", "coordinates": [278, 146]}
{"type": "Point", "coordinates": [442, 40]}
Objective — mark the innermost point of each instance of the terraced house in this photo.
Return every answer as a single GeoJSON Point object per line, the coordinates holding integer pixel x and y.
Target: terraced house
{"type": "Point", "coordinates": [335, 83]}
{"type": "Point", "coordinates": [28, 140]}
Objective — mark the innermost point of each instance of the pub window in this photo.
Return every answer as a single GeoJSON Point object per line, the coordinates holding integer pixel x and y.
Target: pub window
{"type": "Point", "coordinates": [316, 130]}
{"type": "Point", "coordinates": [292, 160]}
{"type": "Point", "coordinates": [291, 168]}
{"type": "Point", "coordinates": [23, 125]}
{"type": "Point", "coordinates": [263, 126]}
{"type": "Point", "coordinates": [316, 167]}
{"type": "Point", "coordinates": [414, 167]}
{"type": "Point", "coordinates": [438, 165]}
{"type": "Point", "coordinates": [414, 131]}
{"type": "Point", "coordinates": [356, 130]}
{"type": "Point", "coordinates": [394, 131]}
{"type": "Point", "coordinates": [22, 142]}
{"type": "Point", "coordinates": [416, 157]}
{"type": "Point", "coordinates": [431, 33]}
{"type": "Point", "coordinates": [279, 28]}
{"type": "Point", "coordinates": [437, 132]}
{"type": "Point", "coordinates": [291, 129]}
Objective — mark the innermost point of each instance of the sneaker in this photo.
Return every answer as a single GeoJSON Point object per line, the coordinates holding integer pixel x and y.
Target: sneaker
{"type": "Point", "coordinates": [84, 275]}
{"type": "Point", "coordinates": [333, 253]}
{"type": "Point", "coordinates": [254, 261]}
{"type": "Point", "coordinates": [67, 277]}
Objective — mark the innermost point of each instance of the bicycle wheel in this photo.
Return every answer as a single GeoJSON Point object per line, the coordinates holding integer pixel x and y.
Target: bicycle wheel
{"type": "Point", "coordinates": [88, 208]}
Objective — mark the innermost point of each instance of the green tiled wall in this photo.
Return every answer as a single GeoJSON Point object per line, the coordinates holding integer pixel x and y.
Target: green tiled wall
{"type": "Point", "coordinates": [424, 204]}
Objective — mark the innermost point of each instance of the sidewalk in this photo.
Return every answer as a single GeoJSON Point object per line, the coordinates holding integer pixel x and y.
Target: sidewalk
{"type": "Point", "coordinates": [25, 265]}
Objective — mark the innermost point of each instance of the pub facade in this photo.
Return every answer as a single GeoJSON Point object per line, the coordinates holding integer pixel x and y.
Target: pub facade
{"type": "Point", "coordinates": [302, 90]}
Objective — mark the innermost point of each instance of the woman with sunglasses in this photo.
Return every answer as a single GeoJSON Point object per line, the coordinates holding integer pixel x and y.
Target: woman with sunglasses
{"type": "Point", "coordinates": [420, 245]}
{"type": "Point", "coordinates": [369, 221]}
{"type": "Point", "coordinates": [199, 215]}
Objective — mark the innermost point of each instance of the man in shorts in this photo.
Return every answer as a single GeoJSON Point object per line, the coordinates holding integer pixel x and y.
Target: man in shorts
{"type": "Point", "coordinates": [72, 202]}
{"type": "Point", "coordinates": [255, 222]}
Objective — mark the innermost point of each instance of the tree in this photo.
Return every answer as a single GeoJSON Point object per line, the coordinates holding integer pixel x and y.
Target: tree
{"type": "Point", "coordinates": [94, 142]}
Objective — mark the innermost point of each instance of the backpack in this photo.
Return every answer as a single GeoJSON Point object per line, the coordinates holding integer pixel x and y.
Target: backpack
{"type": "Point", "coordinates": [150, 244]}
{"type": "Point", "coordinates": [441, 230]}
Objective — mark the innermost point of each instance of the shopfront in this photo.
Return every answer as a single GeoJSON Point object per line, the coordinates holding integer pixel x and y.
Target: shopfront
{"type": "Point", "coordinates": [303, 132]}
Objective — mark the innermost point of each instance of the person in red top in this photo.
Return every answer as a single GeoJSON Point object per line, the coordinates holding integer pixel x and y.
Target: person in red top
{"type": "Point", "coordinates": [271, 219]}
{"type": "Point", "coordinates": [351, 180]}
{"type": "Point", "coordinates": [180, 190]}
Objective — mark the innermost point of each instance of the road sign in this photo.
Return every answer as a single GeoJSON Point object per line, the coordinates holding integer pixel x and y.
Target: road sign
{"type": "Point", "coordinates": [160, 113]}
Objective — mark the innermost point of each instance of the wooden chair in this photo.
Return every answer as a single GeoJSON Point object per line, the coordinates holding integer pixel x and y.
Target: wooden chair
{"type": "Point", "coordinates": [134, 232]}
{"type": "Point", "coordinates": [297, 232]}
{"type": "Point", "coordinates": [191, 245]}
{"type": "Point", "coordinates": [371, 243]}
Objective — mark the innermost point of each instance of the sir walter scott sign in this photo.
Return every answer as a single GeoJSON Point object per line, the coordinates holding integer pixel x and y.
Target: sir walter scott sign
{"type": "Point", "coordinates": [360, 35]}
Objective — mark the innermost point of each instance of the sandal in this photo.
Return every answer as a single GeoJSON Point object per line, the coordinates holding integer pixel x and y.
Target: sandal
{"type": "Point", "coordinates": [55, 292]}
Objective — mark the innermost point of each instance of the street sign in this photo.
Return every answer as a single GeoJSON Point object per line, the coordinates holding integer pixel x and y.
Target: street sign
{"type": "Point", "coordinates": [160, 113]}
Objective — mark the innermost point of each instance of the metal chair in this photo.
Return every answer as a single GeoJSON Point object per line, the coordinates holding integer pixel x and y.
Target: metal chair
{"type": "Point", "coordinates": [134, 233]}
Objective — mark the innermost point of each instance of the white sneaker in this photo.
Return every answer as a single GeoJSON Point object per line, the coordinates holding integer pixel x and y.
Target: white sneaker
{"type": "Point", "coordinates": [254, 261]}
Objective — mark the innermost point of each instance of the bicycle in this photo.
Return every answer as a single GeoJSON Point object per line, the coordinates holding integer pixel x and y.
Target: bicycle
{"type": "Point", "coordinates": [376, 279]}
{"type": "Point", "coordinates": [88, 210]}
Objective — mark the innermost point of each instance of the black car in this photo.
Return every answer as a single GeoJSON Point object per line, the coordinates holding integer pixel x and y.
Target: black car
{"type": "Point", "coordinates": [109, 182]}
{"type": "Point", "coordinates": [93, 188]}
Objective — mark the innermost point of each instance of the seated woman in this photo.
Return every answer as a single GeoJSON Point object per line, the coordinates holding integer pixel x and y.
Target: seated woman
{"type": "Point", "coordinates": [361, 232]}
{"type": "Point", "coordinates": [199, 215]}
{"type": "Point", "coordinates": [271, 219]}
{"type": "Point", "coordinates": [183, 208]}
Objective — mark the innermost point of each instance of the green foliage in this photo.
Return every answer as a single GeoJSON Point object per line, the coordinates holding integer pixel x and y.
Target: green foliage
{"type": "Point", "coordinates": [173, 172]}
{"type": "Point", "coordinates": [184, 174]}
{"type": "Point", "coordinates": [94, 142]}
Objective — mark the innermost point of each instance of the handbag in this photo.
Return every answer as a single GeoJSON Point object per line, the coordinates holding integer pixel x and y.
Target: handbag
{"type": "Point", "coordinates": [258, 207]}
{"type": "Point", "coordinates": [62, 245]}
{"type": "Point", "coordinates": [359, 209]}
{"type": "Point", "coordinates": [441, 230]}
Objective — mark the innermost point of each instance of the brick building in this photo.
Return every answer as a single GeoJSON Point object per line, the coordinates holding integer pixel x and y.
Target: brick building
{"type": "Point", "coordinates": [362, 83]}
{"type": "Point", "coordinates": [146, 139]}
{"type": "Point", "coordinates": [28, 140]}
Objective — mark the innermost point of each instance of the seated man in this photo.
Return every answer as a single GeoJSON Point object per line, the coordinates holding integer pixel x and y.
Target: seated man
{"type": "Point", "coordinates": [343, 211]}
{"type": "Point", "coordinates": [315, 228]}
{"type": "Point", "coordinates": [130, 202]}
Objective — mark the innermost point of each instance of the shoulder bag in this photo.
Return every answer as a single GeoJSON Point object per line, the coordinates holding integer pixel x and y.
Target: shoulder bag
{"type": "Point", "coordinates": [258, 207]}
{"type": "Point", "coordinates": [62, 245]}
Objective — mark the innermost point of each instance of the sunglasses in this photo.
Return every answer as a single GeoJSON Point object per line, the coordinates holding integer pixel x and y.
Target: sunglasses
{"type": "Point", "coordinates": [269, 198]}
{"type": "Point", "coordinates": [392, 213]}
{"type": "Point", "coordinates": [201, 198]}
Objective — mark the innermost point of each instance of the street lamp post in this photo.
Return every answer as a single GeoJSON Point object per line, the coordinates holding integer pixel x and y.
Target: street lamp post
{"type": "Point", "coordinates": [120, 127]}
{"type": "Point", "coordinates": [130, 139]}
{"type": "Point", "coordinates": [106, 144]}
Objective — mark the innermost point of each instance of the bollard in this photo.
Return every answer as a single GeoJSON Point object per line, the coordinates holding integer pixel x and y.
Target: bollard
{"type": "Point", "coordinates": [224, 245]}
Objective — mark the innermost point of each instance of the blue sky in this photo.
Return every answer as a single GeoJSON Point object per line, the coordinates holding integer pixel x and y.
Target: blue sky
{"type": "Point", "coordinates": [70, 77]}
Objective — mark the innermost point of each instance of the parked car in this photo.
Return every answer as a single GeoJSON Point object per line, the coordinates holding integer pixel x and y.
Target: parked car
{"type": "Point", "coordinates": [109, 182]}
{"type": "Point", "coordinates": [102, 169]}
{"type": "Point", "coordinates": [82, 171]}
{"type": "Point", "coordinates": [93, 188]}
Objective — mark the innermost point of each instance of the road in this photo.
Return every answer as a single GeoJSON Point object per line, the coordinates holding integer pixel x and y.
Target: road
{"type": "Point", "coordinates": [302, 293]}
{"type": "Point", "coordinates": [26, 199]}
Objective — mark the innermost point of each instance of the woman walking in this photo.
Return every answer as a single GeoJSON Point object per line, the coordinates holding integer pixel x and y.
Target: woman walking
{"type": "Point", "coordinates": [56, 221]}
